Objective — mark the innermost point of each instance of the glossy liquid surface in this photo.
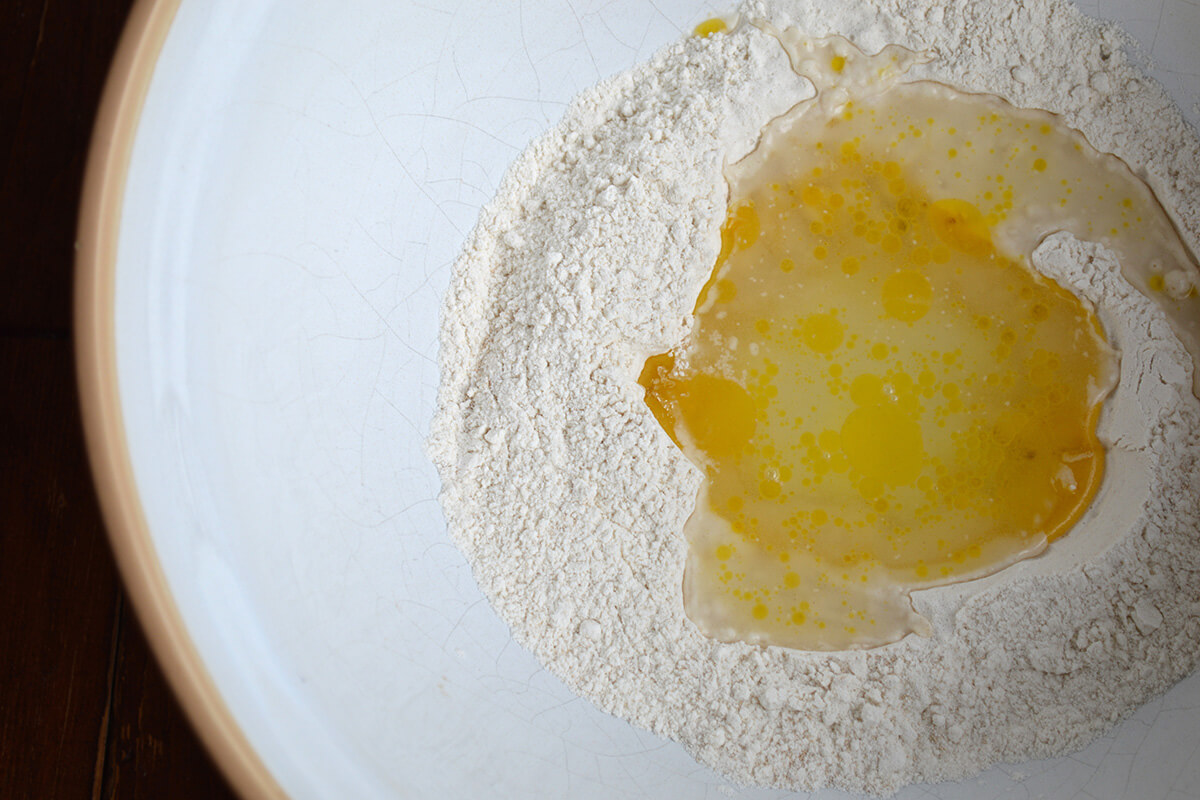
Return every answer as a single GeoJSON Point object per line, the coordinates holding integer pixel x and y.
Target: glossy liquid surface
{"type": "Point", "coordinates": [881, 391]}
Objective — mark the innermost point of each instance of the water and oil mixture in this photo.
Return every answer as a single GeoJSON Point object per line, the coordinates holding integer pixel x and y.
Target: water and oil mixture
{"type": "Point", "coordinates": [882, 393]}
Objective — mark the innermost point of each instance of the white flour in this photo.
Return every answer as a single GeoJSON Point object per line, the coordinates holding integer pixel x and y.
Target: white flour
{"type": "Point", "coordinates": [569, 499]}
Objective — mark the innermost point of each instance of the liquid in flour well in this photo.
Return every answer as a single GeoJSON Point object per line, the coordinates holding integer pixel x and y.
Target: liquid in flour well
{"type": "Point", "coordinates": [882, 393]}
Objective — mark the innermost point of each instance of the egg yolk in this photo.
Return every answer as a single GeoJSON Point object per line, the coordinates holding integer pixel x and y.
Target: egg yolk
{"type": "Point", "coordinates": [711, 26]}
{"type": "Point", "coordinates": [882, 393]}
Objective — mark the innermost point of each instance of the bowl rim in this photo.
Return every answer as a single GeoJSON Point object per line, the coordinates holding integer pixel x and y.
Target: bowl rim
{"type": "Point", "coordinates": [108, 159]}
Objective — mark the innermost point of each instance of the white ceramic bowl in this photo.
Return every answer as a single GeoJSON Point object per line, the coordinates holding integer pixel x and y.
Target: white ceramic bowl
{"type": "Point", "coordinates": [275, 196]}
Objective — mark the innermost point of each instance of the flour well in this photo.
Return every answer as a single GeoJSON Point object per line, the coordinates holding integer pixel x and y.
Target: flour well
{"type": "Point", "coordinates": [569, 500]}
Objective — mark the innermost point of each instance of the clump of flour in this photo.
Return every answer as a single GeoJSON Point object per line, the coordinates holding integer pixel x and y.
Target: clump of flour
{"type": "Point", "coordinates": [569, 499]}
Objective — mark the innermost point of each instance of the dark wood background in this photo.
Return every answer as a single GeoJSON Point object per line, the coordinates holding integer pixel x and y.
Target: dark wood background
{"type": "Point", "coordinates": [84, 710]}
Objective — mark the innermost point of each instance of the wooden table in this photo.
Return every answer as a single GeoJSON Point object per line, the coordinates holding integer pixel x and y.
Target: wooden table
{"type": "Point", "coordinates": [84, 710]}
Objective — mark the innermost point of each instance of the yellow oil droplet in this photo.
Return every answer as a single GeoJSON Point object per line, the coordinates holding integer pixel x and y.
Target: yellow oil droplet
{"type": "Point", "coordinates": [920, 406]}
{"type": "Point", "coordinates": [822, 332]}
{"type": "Point", "coordinates": [711, 26]}
{"type": "Point", "coordinates": [907, 295]}
{"type": "Point", "coordinates": [959, 224]}
{"type": "Point", "coordinates": [837, 63]}
{"type": "Point", "coordinates": [713, 414]}
{"type": "Point", "coordinates": [884, 445]}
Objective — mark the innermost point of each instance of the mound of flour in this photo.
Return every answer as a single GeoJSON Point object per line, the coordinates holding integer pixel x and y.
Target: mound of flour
{"type": "Point", "coordinates": [569, 500]}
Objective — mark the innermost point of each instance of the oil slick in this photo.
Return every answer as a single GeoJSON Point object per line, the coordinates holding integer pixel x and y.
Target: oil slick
{"type": "Point", "coordinates": [882, 393]}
